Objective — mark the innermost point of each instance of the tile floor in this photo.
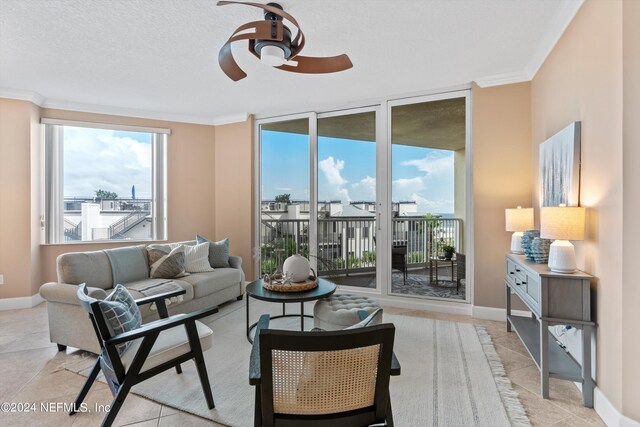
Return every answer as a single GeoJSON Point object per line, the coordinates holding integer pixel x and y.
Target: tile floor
{"type": "Point", "coordinates": [31, 371]}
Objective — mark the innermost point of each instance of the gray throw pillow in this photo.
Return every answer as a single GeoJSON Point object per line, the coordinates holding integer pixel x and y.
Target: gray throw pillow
{"type": "Point", "coordinates": [166, 262]}
{"type": "Point", "coordinates": [218, 252]}
{"type": "Point", "coordinates": [121, 313]}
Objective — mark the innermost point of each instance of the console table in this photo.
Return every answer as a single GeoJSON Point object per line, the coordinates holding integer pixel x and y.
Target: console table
{"type": "Point", "coordinates": [554, 299]}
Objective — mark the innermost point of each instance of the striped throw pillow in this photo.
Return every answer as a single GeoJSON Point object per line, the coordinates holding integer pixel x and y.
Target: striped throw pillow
{"type": "Point", "coordinates": [197, 258]}
{"type": "Point", "coordinates": [166, 262]}
{"type": "Point", "coordinates": [121, 313]}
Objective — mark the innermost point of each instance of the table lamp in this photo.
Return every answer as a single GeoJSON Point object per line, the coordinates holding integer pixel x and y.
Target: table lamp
{"type": "Point", "coordinates": [518, 220]}
{"type": "Point", "coordinates": [562, 224]}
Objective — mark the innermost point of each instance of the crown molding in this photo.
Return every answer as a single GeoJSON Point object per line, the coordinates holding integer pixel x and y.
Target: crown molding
{"type": "Point", "coordinates": [43, 102]}
{"type": "Point", "coordinates": [549, 39]}
{"type": "Point", "coordinates": [23, 95]}
{"type": "Point", "coordinates": [503, 79]}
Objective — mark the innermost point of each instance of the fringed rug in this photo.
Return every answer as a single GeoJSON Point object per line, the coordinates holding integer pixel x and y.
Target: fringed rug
{"type": "Point", "coordinates": [451, 375]}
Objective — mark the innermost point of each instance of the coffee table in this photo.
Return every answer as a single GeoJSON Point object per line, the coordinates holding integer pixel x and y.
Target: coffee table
{"type": "Point", "coordinates": [257, 291]}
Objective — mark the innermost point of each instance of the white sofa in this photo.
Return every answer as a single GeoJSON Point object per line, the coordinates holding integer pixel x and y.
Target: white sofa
{"type": "Point", "coordinates": [69, 325]}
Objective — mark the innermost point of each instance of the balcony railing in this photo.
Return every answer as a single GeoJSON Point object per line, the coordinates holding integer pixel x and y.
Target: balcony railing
{"type": "Point", "coordinates": [349, 245]}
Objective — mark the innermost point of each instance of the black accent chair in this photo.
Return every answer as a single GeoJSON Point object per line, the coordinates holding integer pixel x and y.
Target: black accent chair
{"type": "Point", "coordinates": [336, 378]}
{"type": "Point", "coordinates": [147, 356]}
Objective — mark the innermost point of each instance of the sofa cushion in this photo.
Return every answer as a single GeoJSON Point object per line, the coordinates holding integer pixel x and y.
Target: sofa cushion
{"type": "Point", "coordinates": [128, 264]}
{"type": "Point", "coordinates": [214, 281]}
{"type": "Point", "coordinates": [146, 308]}
{"type": "Point", "coordinates": [218, 252]}
{"type": "Point", "coordinates": [197, 258]}
{"type": "Point", "coordinates": [92, 268]}
{"type": "Point", "coordinates": [166, 262]}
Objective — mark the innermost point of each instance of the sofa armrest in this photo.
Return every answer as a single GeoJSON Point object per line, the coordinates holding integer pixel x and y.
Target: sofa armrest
{"type": "Point", "coordinates": [235, 262]}
{"type": "Point", "coordinates": [67, 294]}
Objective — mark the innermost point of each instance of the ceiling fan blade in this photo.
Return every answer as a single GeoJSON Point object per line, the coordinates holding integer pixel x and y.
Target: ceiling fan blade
{"type": "Point", "coordinates": [275, 11]}
{"type": "Point", "coordinates": [318, 65]}
{"type": "Point", "coordinates": [263, 30]}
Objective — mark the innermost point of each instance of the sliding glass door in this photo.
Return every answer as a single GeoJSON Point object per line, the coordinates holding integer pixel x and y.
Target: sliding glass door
{"type": "Point", "coordinates": [375, 197]}
{"type": "Point", "coordinates": [347, 201]}
{"type": "Point", "coordinates": [284, 191]}
{"type": "Point", "coordinates": [428, 196]}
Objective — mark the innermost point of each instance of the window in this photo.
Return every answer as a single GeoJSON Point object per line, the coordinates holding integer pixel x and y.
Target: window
{"type": "Point", "coordinates": [365, 232]}
{"type": "Point", "coordinates": [104, 182]}
{"type": "Point", "coordinates": [351, 232]}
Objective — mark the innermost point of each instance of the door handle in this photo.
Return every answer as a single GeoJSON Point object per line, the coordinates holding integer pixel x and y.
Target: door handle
{"type": "Point", "coordinates": [379, 221]}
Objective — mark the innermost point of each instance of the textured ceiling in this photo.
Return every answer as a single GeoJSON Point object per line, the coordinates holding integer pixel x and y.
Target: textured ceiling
{"type": "Point", "coordinates": [161, 55]}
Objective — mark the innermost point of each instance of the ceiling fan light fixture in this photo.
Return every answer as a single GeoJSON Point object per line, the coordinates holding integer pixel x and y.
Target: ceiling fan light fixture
{"type": "Point", "coordinates": [272, 56]}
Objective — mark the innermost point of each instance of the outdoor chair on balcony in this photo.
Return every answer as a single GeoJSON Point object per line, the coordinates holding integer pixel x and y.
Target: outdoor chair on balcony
{"type": "Point", "coordinates": [134, 354]}
{"type": "Point", "coordinates": [399, 259]}
{"type": "Point", "coordinates": [336, 378]}
{"type": "Point", "coordinates": [461, 269]}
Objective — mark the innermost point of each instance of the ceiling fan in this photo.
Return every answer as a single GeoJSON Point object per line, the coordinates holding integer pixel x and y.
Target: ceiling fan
{"type": "Point", "coordinates": [270, 41]}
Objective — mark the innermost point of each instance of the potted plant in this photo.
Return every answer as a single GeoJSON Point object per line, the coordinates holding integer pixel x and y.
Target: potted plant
{"type": "Point", "coordinates": [448, 251]}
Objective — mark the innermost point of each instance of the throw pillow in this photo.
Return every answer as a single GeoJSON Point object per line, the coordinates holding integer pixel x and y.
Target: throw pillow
{"type": "Point", "coordinates": [121, 313]}
{"type": "Point", "coordinates": [197, 258]}
{"type": "Point", "coordinates": [374, 318]}
{"type": "Point", "coordinates": [218, 252]}
{"type": "Point", "coordinates": [166, 263]}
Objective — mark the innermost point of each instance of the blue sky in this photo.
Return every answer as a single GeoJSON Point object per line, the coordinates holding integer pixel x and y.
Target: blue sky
{"type": "Point", "coordinates": [106, 159]}
{"type": "Point", "coordinates": [346, 171]}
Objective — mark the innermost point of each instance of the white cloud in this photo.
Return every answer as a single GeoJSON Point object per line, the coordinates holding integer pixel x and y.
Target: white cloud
{"type": "Point", "coordinates": [432, 165]}
{"type": "Point", "coordinates": [98, 159]}
{"type": "Point", "coordinates": [365, 189]}
{"type": "Point", "coordinates": [430, 205]}
{"type": "Point", "coordinates": [408, 184]}
{"type": "Point", "coordinates": [332, 170]}
{"type": "Point", "coordinates": [283, 188]}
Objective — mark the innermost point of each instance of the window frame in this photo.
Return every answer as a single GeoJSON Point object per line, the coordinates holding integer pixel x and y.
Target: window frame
{"type": "Point", "coordinates": [53, 179]}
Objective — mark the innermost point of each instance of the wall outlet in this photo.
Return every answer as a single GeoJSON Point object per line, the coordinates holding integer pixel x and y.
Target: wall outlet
{"type": "Point", "coordinates": [1, 279]}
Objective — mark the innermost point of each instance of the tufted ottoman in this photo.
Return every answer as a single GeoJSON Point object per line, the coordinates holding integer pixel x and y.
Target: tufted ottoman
{"type": "Point", "coordinates": [341, 311]}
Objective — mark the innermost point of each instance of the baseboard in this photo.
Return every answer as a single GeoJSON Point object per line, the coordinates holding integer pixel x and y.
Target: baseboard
{"type": "Point", "coordinates": [609, 413]}
{"type": "Point", "coordinates": [20, 302]}
{"type": "Point", "coordinates": [497, 314]}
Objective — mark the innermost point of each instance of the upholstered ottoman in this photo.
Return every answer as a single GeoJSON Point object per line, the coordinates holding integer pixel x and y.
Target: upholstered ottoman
{"type": "Point", "coordinates": [341, 311]}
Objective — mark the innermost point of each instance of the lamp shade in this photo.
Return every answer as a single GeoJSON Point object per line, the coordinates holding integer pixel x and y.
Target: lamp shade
{"type": "Point", "coordinates": [562, 223]}
{"type": "Point", "coordinates": [518, 219]}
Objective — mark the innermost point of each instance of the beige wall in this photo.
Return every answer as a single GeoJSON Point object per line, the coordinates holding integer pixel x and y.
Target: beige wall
{"type": "Point", "coordinates": [234, 174]}
{"type": "Point", "coordinates": [501, 179]}
{"type": "Point", "coordinates": [26, 264]}
{"type": "Point", "coordinates": [582, 80]}
{"type": "Point", "coordinates": [15, 198]}
{"type": "Point", "coordinates": [631, 200]}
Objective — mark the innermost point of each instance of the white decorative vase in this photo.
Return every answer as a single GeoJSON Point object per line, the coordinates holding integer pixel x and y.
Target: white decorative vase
{"type": "Point", "coordinates": [297, 267]}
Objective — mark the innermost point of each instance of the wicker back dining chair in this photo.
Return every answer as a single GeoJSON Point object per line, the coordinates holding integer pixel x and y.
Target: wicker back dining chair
{"type": "Point", "coordinates": [336, 378]}
{"type": "Point", "coordinates": [150, 349]}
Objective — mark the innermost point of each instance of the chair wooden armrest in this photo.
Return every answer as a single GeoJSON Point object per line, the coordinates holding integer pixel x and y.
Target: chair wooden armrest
{"type": "Point", "coordinates": [160, 297]}
{"type": "Point", "coordinates": [254, 361]}
{"type": "Point", "coordinates": [395, 364]}
{"type": "Point", "coordinates": [159, 325]}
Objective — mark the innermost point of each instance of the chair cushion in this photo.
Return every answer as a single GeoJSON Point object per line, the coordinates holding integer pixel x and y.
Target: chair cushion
{"type": "Point", "coordinates": [218, 252]}
{"type": "Point", "coordinates": [374, 318]}
{"type": "Point", "coordinates": [214, 281]}
{"type": "Point", "coordinates": [165, 262]}
{"type": "Point", "coordinates": [171, 343]}
{"type": "Point", "coordinates": [121, 313]}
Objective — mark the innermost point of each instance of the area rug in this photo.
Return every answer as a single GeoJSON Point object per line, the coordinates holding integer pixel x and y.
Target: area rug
{"type": "Point", "coordinates": [451, 375]}
{"type": "Point", "coordinates": [418, 284]}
